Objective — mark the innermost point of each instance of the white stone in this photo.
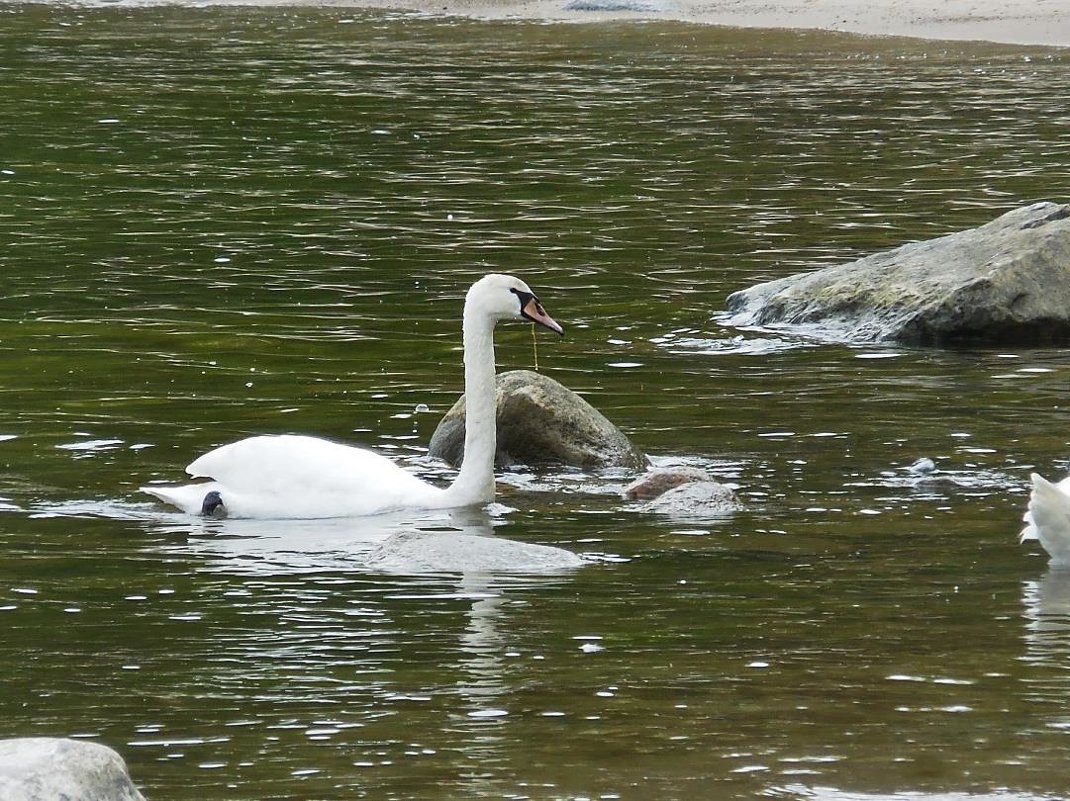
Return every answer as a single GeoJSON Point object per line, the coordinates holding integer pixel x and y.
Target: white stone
{"type": "Point", "coordinates": [59, 769]}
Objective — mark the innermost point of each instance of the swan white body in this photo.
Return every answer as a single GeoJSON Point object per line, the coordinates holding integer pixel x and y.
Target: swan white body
{"type": "Point", "coordinates": [292, 476]}
{"type": "Point", "coordinates": [1048, 518]}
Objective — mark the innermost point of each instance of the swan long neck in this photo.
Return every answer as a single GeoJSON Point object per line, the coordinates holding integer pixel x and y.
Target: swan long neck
{"type": "Point", "coordinates": [475, 482]}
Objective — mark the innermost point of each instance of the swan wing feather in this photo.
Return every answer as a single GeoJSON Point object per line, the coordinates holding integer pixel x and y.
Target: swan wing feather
{"type": "Point", "coordinates": [188, 497]}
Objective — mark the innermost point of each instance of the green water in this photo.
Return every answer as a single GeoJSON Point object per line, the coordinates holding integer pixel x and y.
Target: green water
{"type": "Point", "coordinates": [219, 222]}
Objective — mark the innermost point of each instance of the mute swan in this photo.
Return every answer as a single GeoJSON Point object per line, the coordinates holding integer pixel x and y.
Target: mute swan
{"type": "Point", "coordinates": [291, 476]}
{"type": "Point", "coordinates": [1048, 518]}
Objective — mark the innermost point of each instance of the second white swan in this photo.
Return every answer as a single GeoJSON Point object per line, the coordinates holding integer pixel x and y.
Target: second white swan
{"type": "Point", "coordinates": [292, 476]}
{"type": "Point", "coordinates": [1048, 518]}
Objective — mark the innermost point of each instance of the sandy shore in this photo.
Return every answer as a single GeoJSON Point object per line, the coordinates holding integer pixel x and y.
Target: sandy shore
{"type": "Point", "coordinates": [1020, 22]}
{"type": "Point", "coordinates": [1038, 22]}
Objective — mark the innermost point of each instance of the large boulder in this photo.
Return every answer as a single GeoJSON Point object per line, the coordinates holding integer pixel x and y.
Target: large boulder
{"type": "Point", "coordinates": [1006, 282]}
{"type": "Point", "coordinates": [53, 768]}
{"type": "Point", "coordinates": [540, 421]}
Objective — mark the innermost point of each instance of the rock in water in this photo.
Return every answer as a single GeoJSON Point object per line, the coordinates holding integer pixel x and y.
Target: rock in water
{"type": "Point", "coordinates": [1006, 282]}
{"type": "Point", "coordinates": [454, 552]}
{"type": "Point", "coordinates": [682, 492]}
{"type": "Point", "coordinates": [540, 421]}
{"type": "Point", "coordinates": [53, 768]}
{"type": "Point", "coordinates": [922, 467]}
{"type": "Point", "coordinates": [695, 498]}
{"type": "Point", "coordinates": [660, 480]}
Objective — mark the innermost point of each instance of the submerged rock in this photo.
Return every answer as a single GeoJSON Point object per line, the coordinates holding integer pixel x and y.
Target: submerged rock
{"type": "Point", "coordinates": [681, 491]}
{"type": "Point", "coordinates": [540, 421]}
{"type": "Point", "coordinates": [52, 768]}
{"type": "Point", "coordinates": [922, 467]}
{"type": "Point", "coordinates": [1006, 282]}
{"type": "Point", "coordinates": [453, 552]}
{"type": "Point", "coordinates": [695, 498]}
{"type": "Point", "coordinates": [660, 480]}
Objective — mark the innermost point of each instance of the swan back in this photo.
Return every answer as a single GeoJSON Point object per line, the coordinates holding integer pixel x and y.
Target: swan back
{"type": "Point", "coordinates": [307, 477]}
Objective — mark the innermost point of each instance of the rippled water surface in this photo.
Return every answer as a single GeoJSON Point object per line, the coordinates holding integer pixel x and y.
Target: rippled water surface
{"type": "Point", "coordinates": [218, 222]}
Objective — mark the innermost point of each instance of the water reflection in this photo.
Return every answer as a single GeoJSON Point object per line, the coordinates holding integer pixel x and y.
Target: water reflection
{"type": "Point", "coordinates": [232, 220]}
{"type": "Point", "coordinates": [829, 794]}
{"type": "Point", "coordinates": [1047, 613]}
{"type": "Point", "coordinates": [691, 343]}
{"type": "Point", "coordinates": [453, 541]}
{"type": "Point", "coordinates": [330, 611]}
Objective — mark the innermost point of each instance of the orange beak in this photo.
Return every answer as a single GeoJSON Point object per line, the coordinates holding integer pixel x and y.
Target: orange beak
{"type": "Point", "coordinates": [533, 310]}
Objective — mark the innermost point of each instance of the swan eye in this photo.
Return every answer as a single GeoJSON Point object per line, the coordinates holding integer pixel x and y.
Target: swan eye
{"type": "Point", "coordinates": [525, 298]}
{"type": "Point", "coordinates": [531, 309]}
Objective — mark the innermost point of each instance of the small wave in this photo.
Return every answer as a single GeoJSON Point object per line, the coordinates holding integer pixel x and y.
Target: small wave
{"type": "Point", "coordinates": [737, 344]}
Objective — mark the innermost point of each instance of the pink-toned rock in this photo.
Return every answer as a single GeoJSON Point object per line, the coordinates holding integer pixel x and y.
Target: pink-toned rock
{"type": "Point", "coordinates": [660, 480]}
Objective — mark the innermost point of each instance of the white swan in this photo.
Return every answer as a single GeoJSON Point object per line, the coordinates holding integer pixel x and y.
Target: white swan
{"type": "Point", "coordinates": [1048, 518]}
{"type": "Point", "coordinates": [290, 476]}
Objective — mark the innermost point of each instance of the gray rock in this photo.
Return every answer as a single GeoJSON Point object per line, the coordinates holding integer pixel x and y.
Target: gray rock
{"type": "Point", "coordinates": [455, 552]}
{"type": "Point", "coordinates": [660, 480]}
{"type": "Point", "coordinates": [1006, 282]}
{"type": "Point", "coordinates": [922, 467]}
{"type": "Point", "coordinates": [695, 498]}
{"type": "Point", "coordinates": [57, 769]}
{"type": "Point", "coordinates": [540, 421]}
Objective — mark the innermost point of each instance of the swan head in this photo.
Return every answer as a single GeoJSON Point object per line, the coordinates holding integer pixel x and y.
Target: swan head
{"type": "Point", "coordinates": [505, 297]}
{"type": "Point", "coordinates": [213, 506]}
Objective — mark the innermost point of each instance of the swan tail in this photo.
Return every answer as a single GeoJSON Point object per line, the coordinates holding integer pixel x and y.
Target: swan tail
{"type": "Point", "coordinates": [1048, 519]}
{"type": "Point", "coordinates": [1029, 532]}
{"type": "Point", "coordinates": [190, 498]}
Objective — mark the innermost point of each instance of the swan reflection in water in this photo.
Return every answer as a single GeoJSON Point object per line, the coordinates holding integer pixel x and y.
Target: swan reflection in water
{"type": "Point", "coordinates": [330, 611]}
{"type": "Point", "coordinates": [1047, 615]}
{"type": "Point", "coordinates": [417, 542]}
{"type": "Point", "coordinates": [1047, 643]}
{"type": "Point", "coordinates": [438, 555]}
{"type": "Point", "coordinates": [456, 541]}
